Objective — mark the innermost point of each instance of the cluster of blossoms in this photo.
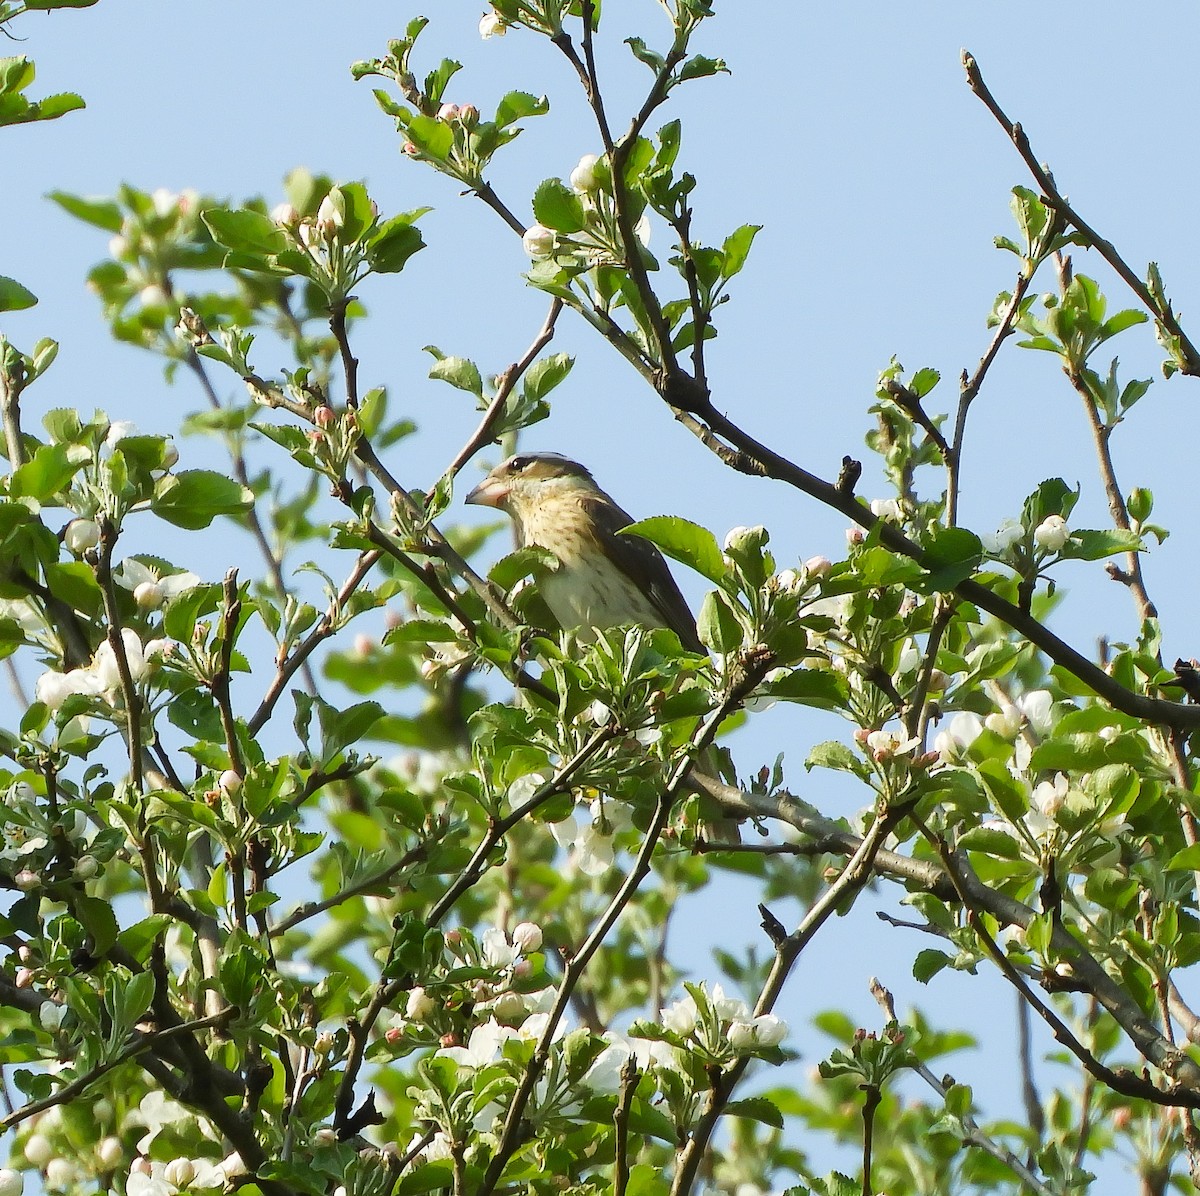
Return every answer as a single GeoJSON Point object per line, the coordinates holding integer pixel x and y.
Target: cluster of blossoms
{"type": "Point", "coordinates": [1050, 535]}
{"type": "Point", "coordinates": [1024, 722]}
{"type": "Point", "coordinates": [27, 835]}
{"type": "Point", "coordinates": [714, 1027]}
{"type": "Point", "coordinates": [320, 231]}
{"type": "Point", "coordinates": [101, 678]}
{"type": "Point", "coordinates": [51, 1149]}
{"type": "Point", "coordinates": [599, 242]}
{"type": "Point", "coordinates": [139, 243]}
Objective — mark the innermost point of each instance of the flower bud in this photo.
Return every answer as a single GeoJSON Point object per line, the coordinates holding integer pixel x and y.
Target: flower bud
{"type": "Point", "coordinates": [285, 215]}
{"type": "Point", "coordinates": [1052, 533]}
{"type": "Point", "coordinates": [324, 416]}
{"type": "Point", "coordinates": [170, 457]}
{"type": "Point", "coordinates": [329, 216]}
{"type": "Point", "coordinates": [509, 1008]}
{"type": "Point", "coordinates": [527, 937]}
{"type": "Point", "coordinates": [27, 880]}
{"type": "Point", "coordinates": [61, 1173]}
{"type": "Point", "coordinates": [410, 149]}
{"type": "Point", "coordinates": [230, 781]}
{"type": "Point", "coordinates": [38, 1150]}
{"type": "Point", "coordinates": [23, 978]}
{"type": "Point", "coordinates": [448, 112]}
{"type": "Point", "coordinates": [492, 25]}
{"type": "Point", "coordinates": [818, 566]}
{"type": "Point", "coordinates": [419, 1005]}
{"type": "Point", "coordinates": [110, 1153]}
{"type": "Point", "coordinates": [80, 535]}
{"type": "Point", "coordinates": [394, 1035]}
{"type": "Point", "coordinates": [468, 116]}
{"type": "Point", "coordinates": [746, 539]}
{"type": "Point", "coordinates": [584, 178]}
{"type": "Point", "coordinates": [86, 867]}
{"type": "Point", "coordinates": [12, 1183]}
{"type": "Point", "coordinates": [538, 242]}
{"type": "Point", "coordinates": [325, 1137]}
{"type": "Point", "coordinates": [179, 1172]}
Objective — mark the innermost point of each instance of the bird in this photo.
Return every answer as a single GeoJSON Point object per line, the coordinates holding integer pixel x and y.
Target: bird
{"type": "Point", "coordinates": [603, 579]}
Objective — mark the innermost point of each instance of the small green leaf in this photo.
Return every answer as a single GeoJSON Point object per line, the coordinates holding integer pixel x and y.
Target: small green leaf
{"type": "Point", "coordinates": [245, 231]}
{"type": "Point", "coordinates": [545, 374]}
{"type": "Point", "coordinates": [518, 105]}
{"type": "Point", "coordinates": [458, 371]}
{"type": "Point", "coordinates": [836, 755]}
{"type": "Point", "coordinates": [928, 963]}
{"type": "Point", "coordinates": [193, 498]}
{"type": "Point", "coordinates": [718, 624]}
{"type": "Point", "coordinates": [737, 248]}
{"type": "Point", "coordinates": [686, 542]}
{"type": "Point", "coordinates": [756, 1108]}
{"type": "Point", "coordinates": [558, 207]}
{"type": "Point", "coordinates": [14, 296]}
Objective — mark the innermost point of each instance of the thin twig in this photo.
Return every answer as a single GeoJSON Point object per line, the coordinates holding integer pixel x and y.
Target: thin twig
{"type": "Point", "coordinates": [1190, 363]}
{"type": "Point", "coordinates": [143, 1042]}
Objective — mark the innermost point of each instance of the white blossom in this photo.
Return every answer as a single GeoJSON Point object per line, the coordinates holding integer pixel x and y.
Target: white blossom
{"type": "Point", "coordinates": [483, 1047]}
{"type": "Point", "coordinates": [767, 1030]}
{"type": "Point", "coordinates": [963, 730]}
{"type": "Point", "coordinates": [1003, 538]}
{"type": "Point", "coordinates": [492, 25]}
{"type": "Point", "coordinates": [80, 535]}
{"type": "Point", "coordinates": [12, 1183]}
{"type": "Point", "coordinates": [1052, 533]}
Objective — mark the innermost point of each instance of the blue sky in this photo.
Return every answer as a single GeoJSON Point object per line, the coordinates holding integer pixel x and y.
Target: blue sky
{"type": "Point", "coordinates": [846, 130]}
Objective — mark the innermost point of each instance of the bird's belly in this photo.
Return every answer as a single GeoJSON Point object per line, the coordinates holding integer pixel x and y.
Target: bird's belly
{"type": "Point", "coordinates": [591, 592]}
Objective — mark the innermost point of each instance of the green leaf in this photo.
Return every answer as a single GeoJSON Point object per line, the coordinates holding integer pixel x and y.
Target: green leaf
{"type": "Point", "coordinates": [458, 371]}
{"type": "Point", "coordinates": [44, 474]}
{"type": "Point", "coordinates": [718, 624]}
{"type": "Point", "coordinates": [245, 231]}
{"type": "Point", "coordinates": [194, 498]}
{"type": "Point", "coordinates": [1087, 545]}
{"type": "Point", "coordinates": [756, 1108]}
{"type": "Point", "coordinates": [558, 207]}
{"type": "Point", "coordinates": [14, 296]}
{"type": "Point", "coordinates": [952, 554]}
{"type": "Point", "coordinates": [341, 728]}
{"type": "Point", "coordinates": [737, 248]}
{"type": "Point", "coordinates": [686, 542]}
{"type": "Point", "coordinates": [518, 105]}
{"type": "Point", "coordinates": [928, 963]}
{"type": "Point", "coordinates": [393, 245]}
{"type": "Point", "coordinates": [836, 755]}
{"type": "Point", "coordinates": [545, 374]}
{"type": "Point", "coordinates": [98, 920]}
{"type": "Point", "coordinates": [1187, 859]}
{"type": "Point", "coordinates": [809, 687]}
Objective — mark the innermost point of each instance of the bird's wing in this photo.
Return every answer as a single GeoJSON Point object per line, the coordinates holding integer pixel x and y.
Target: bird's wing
{"type": "Point", "coordinates": [641, 561]}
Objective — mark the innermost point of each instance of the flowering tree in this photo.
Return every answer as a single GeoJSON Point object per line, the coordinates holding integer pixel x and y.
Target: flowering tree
{"type": "Point", "coordinates": [478, 997]}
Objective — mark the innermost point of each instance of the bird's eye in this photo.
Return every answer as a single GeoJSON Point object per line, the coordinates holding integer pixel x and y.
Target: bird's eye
{"type": "Point", "coordinates": [519, 464]}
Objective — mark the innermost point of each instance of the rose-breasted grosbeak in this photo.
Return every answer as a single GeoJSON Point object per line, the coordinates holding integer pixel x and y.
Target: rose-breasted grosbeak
{"type": "Point", "coordinates": [603, 579]}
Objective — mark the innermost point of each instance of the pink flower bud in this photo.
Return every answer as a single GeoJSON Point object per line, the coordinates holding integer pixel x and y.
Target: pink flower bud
{"type": "Point", "coordinates": [27, 880]}
{"type": "Point", "coordinates": [468, 116]}
{"type": "Point", "coordinates": [448, 112]}
{"type": "Point", "coordinates": [230, 781]}
{"type": "Point", "coordinates": [324, 416]}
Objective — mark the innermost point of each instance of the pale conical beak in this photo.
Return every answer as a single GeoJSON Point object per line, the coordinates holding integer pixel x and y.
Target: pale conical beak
{"type": "Point", "coordinates": [489, 493]}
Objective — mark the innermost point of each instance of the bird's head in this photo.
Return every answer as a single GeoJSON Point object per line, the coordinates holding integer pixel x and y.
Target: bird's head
{"type": "Point", "coordinates": [531, 480]}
